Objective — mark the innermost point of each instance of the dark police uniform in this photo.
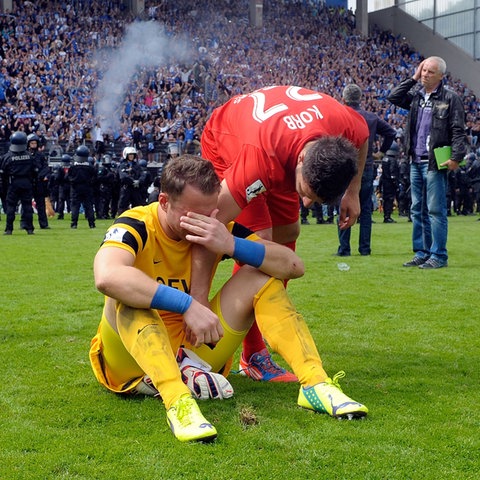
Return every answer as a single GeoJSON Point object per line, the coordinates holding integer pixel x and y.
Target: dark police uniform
{"type": "Point", "coordinates": [404, 198]}
{"type": "Point", "coordinates": [389, 183]}
{"type": "Point", "coordinates": [81, 176]}
{"type": "Point", "coordinates": [40, 188]}
{"type": "Point", "coordinates": [60, 179]}
{"type": "Point", "coordinates": [18, 168]}
{"type": "Point", "coordinates": [131, 176]}
{"type": "Point", "coordinates": [105, 180]}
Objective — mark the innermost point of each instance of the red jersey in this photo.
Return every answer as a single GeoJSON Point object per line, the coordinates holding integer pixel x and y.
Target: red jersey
{"type": "Point", "coordinates": [254, 140]}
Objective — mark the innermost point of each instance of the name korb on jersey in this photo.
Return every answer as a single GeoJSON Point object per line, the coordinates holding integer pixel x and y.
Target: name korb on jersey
{"type": "Point", "coordinates": [302, 119]}
{"type": "Point", "coordinates": [263, 110]}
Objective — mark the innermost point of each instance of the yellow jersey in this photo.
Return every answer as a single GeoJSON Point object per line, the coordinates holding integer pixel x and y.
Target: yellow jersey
{"type": "Point", "coordinates": [168, 261]}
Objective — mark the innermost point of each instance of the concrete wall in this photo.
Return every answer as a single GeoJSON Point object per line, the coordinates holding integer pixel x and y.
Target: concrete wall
{"type": "Point", "coordinates": [6, 6]}
{"type": "Point", "coordinates": [459, 64]}
{"type": "Point", "coordinates": [256, 13]}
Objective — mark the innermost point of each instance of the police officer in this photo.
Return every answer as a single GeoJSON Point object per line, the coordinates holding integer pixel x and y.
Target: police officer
{"type": "Point", "coordinates": [82, 177]}
{"type": "Point", "coordinates": [116, 187]}
{"type": "Point", "coordinates": [18, 168]}
{"type": "Point", "coordinates": [145, 180]}
{"type": "Point", "coordinates": [40, 188]}
{"type": "Point", "coordinates": [130, 175]}
{"type": "Point", "coordinates": [105, 179]}
{"type": "Point", "coordinates": [62, 182]}
{"type": "Point", "coordinates": [3, 190]}
{"type": "Point", "coordinates": [404, 198]}
{"type": "Point", "coordinates": [463, 200]}
{"type": "Point", "coordinates": [473, 171]}
{"type": "Point", "coordinates": [53, 187]}
{"type": "Point", "coordinates": [389, 181]}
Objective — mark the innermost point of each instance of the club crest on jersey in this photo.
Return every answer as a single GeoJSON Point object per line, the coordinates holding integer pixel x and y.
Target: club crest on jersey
{"type": "Point", "coordinates": [115, 234]}
{"type": "Point", "coordinates": [255, 189]}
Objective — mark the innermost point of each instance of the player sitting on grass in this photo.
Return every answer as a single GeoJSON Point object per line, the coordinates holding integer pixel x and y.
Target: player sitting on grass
{"type": "Point", "coordinates": [155, 338]}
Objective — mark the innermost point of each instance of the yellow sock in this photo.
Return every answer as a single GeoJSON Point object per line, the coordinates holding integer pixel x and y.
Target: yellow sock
{"type": "Point", "coordinates": [287, 333]}
{"type": "Point", "coordinates": [146, 339]}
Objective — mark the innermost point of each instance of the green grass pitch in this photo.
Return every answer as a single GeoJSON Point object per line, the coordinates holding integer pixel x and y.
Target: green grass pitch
{"type": "Point", "coordinates": [408, 339]}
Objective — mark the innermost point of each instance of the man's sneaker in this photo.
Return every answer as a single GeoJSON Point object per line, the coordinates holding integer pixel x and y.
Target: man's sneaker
{"type": "Point", "coordinates": [415, 262]}
{"type": "Point", "coordinates": [433, 263]}
{"type": "Point", "coordinates": [261, 367]}
{"type": "Point", "coordinates": [327, 397]}
{"type": "Point", "coordinates": [187, 422]}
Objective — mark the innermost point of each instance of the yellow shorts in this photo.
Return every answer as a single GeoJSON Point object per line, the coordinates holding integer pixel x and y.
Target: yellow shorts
{"type": "Point", "coordinates": [118, 371]}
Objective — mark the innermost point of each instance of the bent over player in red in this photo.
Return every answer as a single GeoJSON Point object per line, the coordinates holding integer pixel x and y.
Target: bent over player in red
{"type": "Point", "coordinates": [269, 147]}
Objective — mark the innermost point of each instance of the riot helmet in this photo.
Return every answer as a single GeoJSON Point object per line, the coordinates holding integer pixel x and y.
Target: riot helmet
{"type": "Point", "coordinates": [107, 159]}
{"type": "Point", "coordinates": [129, 151]}
{"type": "Point", "coordinates": [33, 137]}
{"type": "Point", "coordinates": [82, 153]}
{"type": "Point", "coordinates": [18, 142]}
{"type": "Point", "coordinates": [394, 150]}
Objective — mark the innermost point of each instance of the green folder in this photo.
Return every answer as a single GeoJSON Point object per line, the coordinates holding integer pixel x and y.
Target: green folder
{"type": "Point", "coordinates": [442, 154]}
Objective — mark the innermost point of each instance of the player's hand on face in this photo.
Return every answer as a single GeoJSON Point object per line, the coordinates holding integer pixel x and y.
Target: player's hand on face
{"type": "Point", "coordinates": [207, 231]}
{"type": "Point", "coordinates": [201, 325]}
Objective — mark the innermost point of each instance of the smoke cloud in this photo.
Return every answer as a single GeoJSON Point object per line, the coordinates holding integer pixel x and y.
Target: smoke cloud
{"type": "Point", "coordinates": [145, 45]}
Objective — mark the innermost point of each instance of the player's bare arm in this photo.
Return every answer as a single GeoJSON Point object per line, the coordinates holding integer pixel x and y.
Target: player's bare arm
{"type": "Point", "coordinates": [228, 208]}
{"type": "Point", "coordinates": [203, 259]}
{"type": "Point", "coordinates": [277, 260]}
{"type": "Point", "coordinates": [350, 204]}
{"type": "Point", "coordinates": [116, 277]}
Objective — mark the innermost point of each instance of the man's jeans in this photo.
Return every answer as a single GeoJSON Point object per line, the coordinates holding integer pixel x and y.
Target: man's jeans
{"type": "Point", "coordinates": [365, 218]}
{"type": "Point", "coordinates": [429, 212]}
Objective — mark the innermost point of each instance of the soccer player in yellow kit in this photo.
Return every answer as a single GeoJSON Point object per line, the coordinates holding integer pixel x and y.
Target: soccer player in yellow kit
{"type": "Point", "coordinates": [144, 269]}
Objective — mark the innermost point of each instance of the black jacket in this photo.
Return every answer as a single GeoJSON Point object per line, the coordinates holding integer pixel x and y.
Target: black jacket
{"type": "Point", "coordinates": [81, 174]}
{"type": "Point", "coordinates": [448, 119]}
{"type": "Point", "coordinates": [376, 126]}
{"type": "Point", "coordinates": [18, 165]}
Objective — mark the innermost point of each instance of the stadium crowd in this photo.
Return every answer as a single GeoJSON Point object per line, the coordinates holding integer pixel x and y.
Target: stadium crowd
{"type": "Point", "coordinates": [54, 56]}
